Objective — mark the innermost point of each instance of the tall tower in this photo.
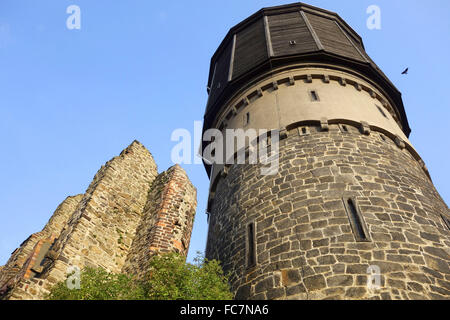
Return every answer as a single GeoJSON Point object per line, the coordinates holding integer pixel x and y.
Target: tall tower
{"type": "Point", "coordinates": [352, 212]}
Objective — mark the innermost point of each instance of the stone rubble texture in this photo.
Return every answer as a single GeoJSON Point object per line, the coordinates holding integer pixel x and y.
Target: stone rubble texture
{"type": "Point", "coordinates": [351, 200]}
{"type": "Point", "coordinates": [304, 242]}
{"type": "Point", "coordinates": [128, 213]}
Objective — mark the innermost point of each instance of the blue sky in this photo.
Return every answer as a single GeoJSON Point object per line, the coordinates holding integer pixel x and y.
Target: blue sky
{"type": "Point", "coordinates": [70, 100]}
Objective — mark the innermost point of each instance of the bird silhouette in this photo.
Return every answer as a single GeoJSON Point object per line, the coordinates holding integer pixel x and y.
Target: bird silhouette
{"type": "Point", "coordinates": [406, 71]}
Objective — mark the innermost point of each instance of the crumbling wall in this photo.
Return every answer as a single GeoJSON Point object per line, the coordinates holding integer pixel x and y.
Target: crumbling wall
{"type": "Point", "coordinates": [18, 265]}
{"type": "Point", "coordinates": [166, 224]}
{"type": "Point", "coordinates": [98, 229]}
{"type": "Point", "coordinates": [101, 229]}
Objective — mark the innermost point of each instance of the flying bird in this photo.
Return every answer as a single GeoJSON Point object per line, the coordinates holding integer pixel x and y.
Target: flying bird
{"type": "Point", "coordinates": [406, 71]}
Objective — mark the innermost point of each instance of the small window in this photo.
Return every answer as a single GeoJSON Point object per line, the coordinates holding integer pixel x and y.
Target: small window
{"type": "Point", "coordinates": [314, 95]}
{"type": "Point", "coordinates": [356, 220]}
{"type": "Point", "coordinates": [264, 142]}
{"type": "Point", "coordinates": [381, 111]}
{"type": "Point", "coordinates": [269, 140]}
{"type": "Point", "coordinates": [304, 131]}
{"type": "Point", "coordinates": [247, 118]}
{"type": "Point", "coordinates": [344, 128]}
{"type": "Point", "coordinates": [251, 252]}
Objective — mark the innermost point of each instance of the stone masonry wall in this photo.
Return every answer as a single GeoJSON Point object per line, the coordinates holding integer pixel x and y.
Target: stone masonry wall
{"type": "Point", "coordinates": [167, 220]}
{"type": "Point", "coordinates": [102, 226]}
{"type": "Point", "coordinates": [16, 267]}
{"type": "Point", "coordinates": [305, 246]}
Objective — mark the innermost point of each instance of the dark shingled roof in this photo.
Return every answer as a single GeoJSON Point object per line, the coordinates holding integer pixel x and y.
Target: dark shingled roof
{"type": "Point", "coordinates": [320, 36]}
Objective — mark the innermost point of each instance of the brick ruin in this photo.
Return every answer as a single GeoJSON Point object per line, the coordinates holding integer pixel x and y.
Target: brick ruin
{"type": "Point", "coordinates": [128, 213]}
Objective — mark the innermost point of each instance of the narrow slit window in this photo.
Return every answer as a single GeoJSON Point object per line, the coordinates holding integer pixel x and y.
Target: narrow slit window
{"type": "Point", "coordinates": [344, 128]}
{"type": "Point", "coordinates": [263, 141]}
{"type": "Point", "coordinates": [304, 131]}
{"type": "Point", "coordinates": [247, 118]}
{"type": "Point", "coordinates": [383, 137]}
{"type": "Point", "coordinates": [314, 95]}
{"type": "Point", "coordinates": [382, 112]}
{"type": "Point", "coordinates": [356, 220]}
{"type": "Point", "coordinates": [251, 253]}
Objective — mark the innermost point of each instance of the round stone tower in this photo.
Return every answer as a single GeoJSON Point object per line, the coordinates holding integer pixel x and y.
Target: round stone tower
{"type": "Point", "coordinates": [351, 212]}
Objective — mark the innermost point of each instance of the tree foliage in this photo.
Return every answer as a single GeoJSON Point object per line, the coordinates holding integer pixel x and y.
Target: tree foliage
{"type": "Point", "coordinates": [98, 284]}
{"type": "Point", "coordinates": [169, 278]}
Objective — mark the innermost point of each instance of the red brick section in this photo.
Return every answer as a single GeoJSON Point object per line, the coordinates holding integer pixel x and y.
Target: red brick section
{"type": "Point", "coordinates": [15, 263]}
{"type": "Point", "coordinates": [26, 263]}
{"type": "Point", "coordinates": [28, 273]}
{"type": "Point", "coordinates": [175, 215]}
{"type": "Point", "coordinates": [16, 266]}
{"type": "Point", "coordinates": [18, 258]}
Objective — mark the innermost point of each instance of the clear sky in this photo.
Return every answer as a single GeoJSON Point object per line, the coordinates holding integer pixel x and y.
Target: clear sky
{"type": "Point", "coordinates": [70, 100]}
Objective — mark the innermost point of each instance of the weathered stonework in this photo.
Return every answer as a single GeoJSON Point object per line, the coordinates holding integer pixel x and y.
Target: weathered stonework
{"type": "Point", "coordinates": [98, 229]}
{"type": "Point", "coordinates": [167, 220]}
{"type": "Point", "coordinates": [19, 264]}
{"type": "Point", "coordinates": [305, 246]}
{"type": "Point", "coordinates": [351, 197]}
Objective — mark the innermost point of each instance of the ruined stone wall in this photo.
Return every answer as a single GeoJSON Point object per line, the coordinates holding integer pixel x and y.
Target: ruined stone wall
{"type": "Point", "coordinates": [100, 230]}
{"type": "Point", "coordinates": [18, 265]}
{"type": "Point", "coordinates": [58, 220]}
{"type": "Point", "coordinates": [167, 220]}
{"type": "Point", "coordinates": [304, 242]}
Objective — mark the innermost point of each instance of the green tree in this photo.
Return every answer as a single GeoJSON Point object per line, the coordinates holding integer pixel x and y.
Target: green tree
{"type": "Point", "coordinates": [169, 278]}
{"type": "Point", "coordinates": [97, 284]}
